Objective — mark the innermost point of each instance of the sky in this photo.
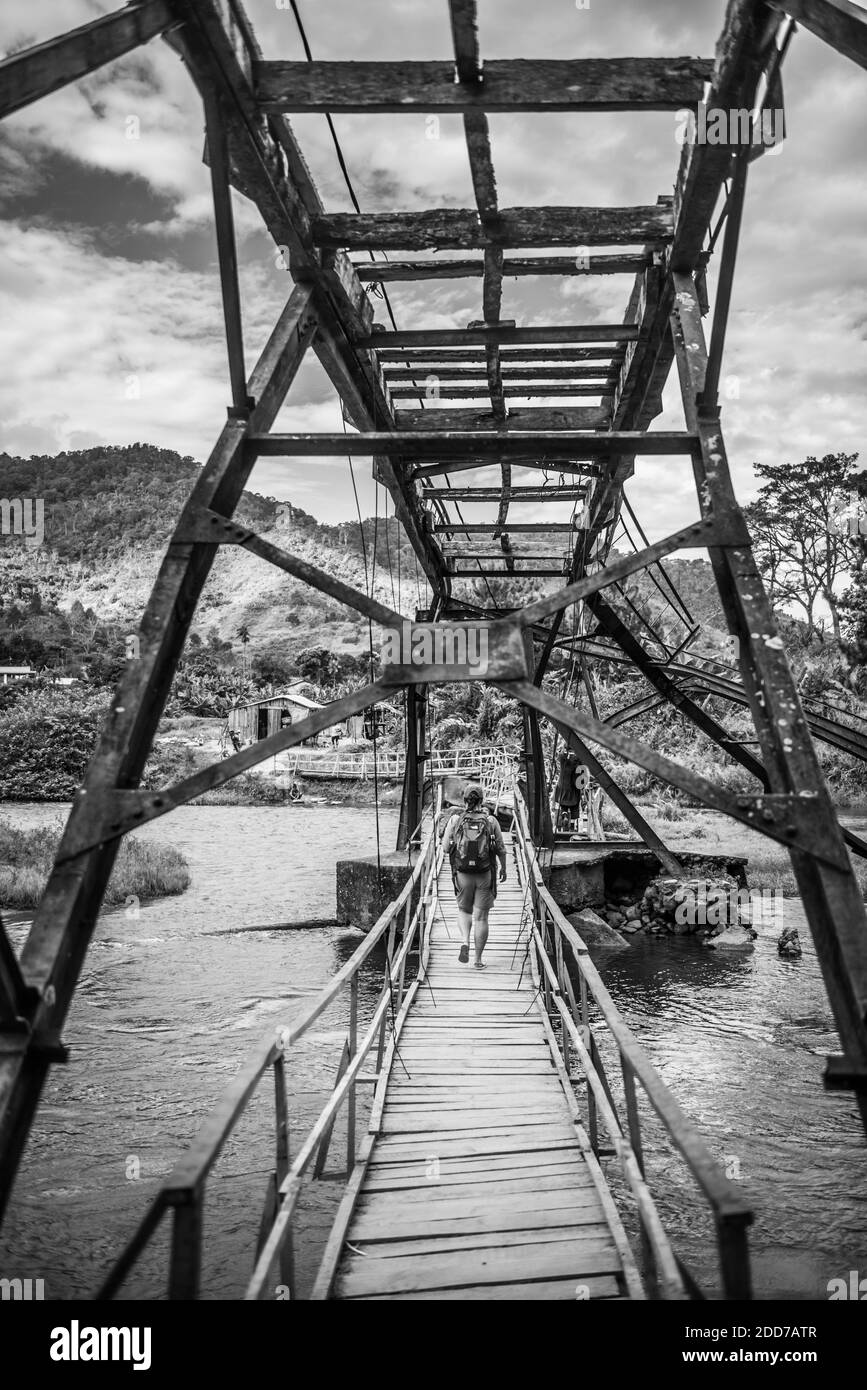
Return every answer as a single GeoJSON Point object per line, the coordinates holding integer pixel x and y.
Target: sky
{"type": "Point", "coordinates": [111, 328]}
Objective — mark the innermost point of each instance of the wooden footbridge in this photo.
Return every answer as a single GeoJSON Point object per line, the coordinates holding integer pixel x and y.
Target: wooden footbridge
{"type": "Point", "coordinates": [520, 587]}
{"type": "Point", "coordinates": [479, 1171]}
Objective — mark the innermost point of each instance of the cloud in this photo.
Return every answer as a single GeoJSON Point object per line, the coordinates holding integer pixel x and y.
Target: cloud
{"type": "Point", "coordinates": [80, 320]}
{"type": "Point", "coordinates": [95, 344]}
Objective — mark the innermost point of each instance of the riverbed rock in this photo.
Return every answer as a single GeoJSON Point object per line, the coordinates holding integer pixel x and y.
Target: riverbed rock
{"type": "Point", "coordinates": [595, 932]}
{"type": "Point", "coordinates": [789, 944]}
{"type": "Point", "coordinates": [733, 938]}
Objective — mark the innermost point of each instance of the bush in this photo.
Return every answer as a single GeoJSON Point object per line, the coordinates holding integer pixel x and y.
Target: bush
{"type": "Point", "coordinates": [143, 869]}
{"type": "Point", "coordinates": [47, 739]}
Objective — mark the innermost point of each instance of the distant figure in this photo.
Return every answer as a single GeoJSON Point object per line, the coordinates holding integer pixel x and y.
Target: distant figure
{"type": "Point", "coordinates": [474, 843]}
{"type": "Point", "coordinates": [335, 740]}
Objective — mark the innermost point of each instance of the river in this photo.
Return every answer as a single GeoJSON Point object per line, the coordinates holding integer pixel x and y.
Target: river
{"type": "Point", "coordinates": [170, 1004]}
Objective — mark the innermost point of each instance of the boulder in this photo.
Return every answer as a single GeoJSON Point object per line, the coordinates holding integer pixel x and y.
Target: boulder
{"type": "Point", "coordinates": [789, 944]}
{"type": "Point", "coordinates": [736, 938]}
{"type": "Point", "coordinates": [595, 932]}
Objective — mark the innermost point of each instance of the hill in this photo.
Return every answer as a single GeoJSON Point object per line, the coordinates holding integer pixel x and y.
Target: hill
{"type": "Point", "coordinates": [109, 514]}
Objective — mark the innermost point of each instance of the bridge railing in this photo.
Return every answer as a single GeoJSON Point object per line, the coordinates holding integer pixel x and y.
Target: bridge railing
{"type": "Point", "coordinates": [489, 763]}
{"type": "Point", "coordinates": [555, 941]}
{"type": "Point", "coordinates": [183, 1191]}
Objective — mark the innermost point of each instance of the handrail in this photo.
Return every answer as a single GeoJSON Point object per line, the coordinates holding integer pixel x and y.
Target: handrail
{"type": "Point", "coordinates": [183, 1189]}
{"type": "Point", "coordinates": [731, 1214]}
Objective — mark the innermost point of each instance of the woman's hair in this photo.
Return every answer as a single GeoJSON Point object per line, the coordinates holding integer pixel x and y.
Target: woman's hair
{"type": "Point", "coordinates": [473, 796]}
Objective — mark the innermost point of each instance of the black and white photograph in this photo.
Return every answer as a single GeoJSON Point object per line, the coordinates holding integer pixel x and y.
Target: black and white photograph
{"type": "Point", "coordinates": [433, 670]}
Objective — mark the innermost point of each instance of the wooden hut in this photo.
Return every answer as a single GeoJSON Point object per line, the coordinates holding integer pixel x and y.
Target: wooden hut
{"type": "Point", "coordinates": [253, 720]}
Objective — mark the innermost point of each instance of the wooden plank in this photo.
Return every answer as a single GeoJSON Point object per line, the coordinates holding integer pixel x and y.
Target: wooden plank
{"type": "Point", "coordinates": [446, 374]}
{"type": "Point", "coordinates": [417, 1222]}
{"type": "Point", "coordinates": [531, 390]}
{"type": "Point", "coordinates": [484, 1202]}
{"type": "Point", "coordinates": [475, 443]}
{"type": "Point", "coordinates": [399, 1149]}
{"type": "Point", "coordinates": [445, 357]}
{"type": "Point", "coordinates": [837, 22]}
{"type": "Point", "coordinates": [466, 1168]}
{"type": "Point", "coordinates": [534, 418]}
{"type": "Point", "coordinates": [513, 1181]}
{"type": "Point", "coordinates": [595, 1288]}
{"type": "Point", "coordinates": [552, 336]}
{"type": "Point", "coordinates": [460, 268]}
{"type": "Point", "coordinates": [460, 229]}
{"type": "Point", "coordinates": [431, 1125]}
{"type": "Point", "coordinates": [38, 71]}
{"type": "Point", "coordinates": [510, 84]}
{"type": "Point", "coordinates": [414, 1250]}
{"type": "Point", "coordinates": [522, 494]}
{"type": "Point", "coordinates": [565, 1259]}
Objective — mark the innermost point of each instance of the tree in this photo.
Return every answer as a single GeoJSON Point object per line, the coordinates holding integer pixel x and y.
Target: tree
{"type": "Point", "coordinates": [802, 548]}
{"type": "Point", "coordinates": [244, 638]}
{"type": "Point", "coordinates": [318, 664]}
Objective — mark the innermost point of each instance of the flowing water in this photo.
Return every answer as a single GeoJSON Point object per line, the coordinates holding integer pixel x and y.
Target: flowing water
{"type": "Point", "coordinates": [170, 1004]}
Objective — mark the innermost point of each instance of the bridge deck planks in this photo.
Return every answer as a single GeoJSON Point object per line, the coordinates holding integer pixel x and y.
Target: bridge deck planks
{"type": "Point", "coordinates": [477, 1185]}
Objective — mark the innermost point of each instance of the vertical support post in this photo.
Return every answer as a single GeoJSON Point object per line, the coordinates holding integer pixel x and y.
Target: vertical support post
{"type": "Point", "coordinates": [589, 1043]}
{"type": "Point", "coordinates": [634, 1126]}
{"type": "Point", "coordinates": [734, 1258]}
{"type": "Point", "coordinates": [561, 970]}
{"type": "Point", "coordinates": [350, 1099]}
{"type": "Point", "coordinates": [632, 1116]}
{"type": "Point", "coordinates": [218, 158]}
{"type": "Point", "coordinates": [186, 1254]}
{"type": "Point", "coordinates": [412, 801]}
{"type": "Point", "coordinates": [541, 828]}
{"type": "Point", "coordinates": [281, 1164]}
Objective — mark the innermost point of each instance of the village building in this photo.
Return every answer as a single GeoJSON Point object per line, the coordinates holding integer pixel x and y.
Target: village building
{"type": "Point", "coordinates": [252, 720]}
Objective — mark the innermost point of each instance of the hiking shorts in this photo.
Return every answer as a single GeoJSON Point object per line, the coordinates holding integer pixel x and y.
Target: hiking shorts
{"type": "Point", "coordinates": [474, 891]}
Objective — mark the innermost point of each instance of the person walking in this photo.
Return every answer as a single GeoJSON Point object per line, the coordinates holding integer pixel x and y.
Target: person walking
{"type": "Point", "coordinates": [474, 843]}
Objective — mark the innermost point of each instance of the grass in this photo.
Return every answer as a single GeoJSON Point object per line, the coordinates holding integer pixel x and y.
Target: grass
{"type": "Point", "coordinates": [143, 869]}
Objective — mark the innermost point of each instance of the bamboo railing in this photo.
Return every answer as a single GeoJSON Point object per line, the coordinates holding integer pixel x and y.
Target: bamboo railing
{"type": "Point", "coordinates": [554, 941]}
{"type": "Point", "coordinates": [485, 762]}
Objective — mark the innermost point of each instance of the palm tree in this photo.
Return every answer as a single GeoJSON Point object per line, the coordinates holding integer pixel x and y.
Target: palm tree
{"type": "Point", "coordinates": [244, 637]}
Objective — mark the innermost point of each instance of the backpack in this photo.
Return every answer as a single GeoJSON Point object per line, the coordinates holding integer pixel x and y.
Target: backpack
{"type": "Point", "coordinates": [472, 844]}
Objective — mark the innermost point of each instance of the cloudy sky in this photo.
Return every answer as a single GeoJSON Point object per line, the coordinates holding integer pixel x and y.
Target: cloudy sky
{"type": "Point", "coordinates": [112, 327]}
